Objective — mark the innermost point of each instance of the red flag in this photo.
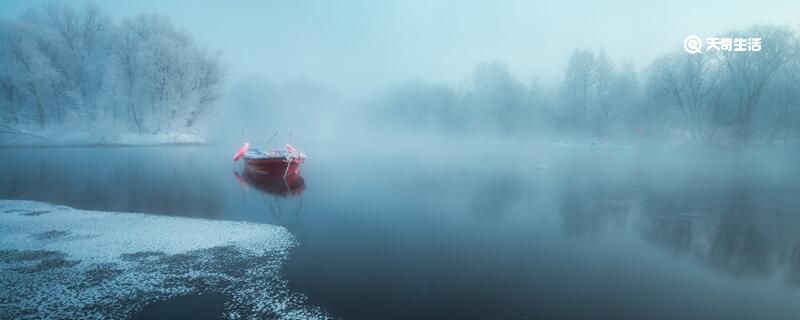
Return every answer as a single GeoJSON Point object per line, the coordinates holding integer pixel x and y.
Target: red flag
{"type": "Point", "coordinates": [241, 151]}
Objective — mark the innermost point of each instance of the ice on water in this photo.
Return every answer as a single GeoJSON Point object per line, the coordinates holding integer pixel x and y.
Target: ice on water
{"type": "Point", "coordinates": [61, 263]}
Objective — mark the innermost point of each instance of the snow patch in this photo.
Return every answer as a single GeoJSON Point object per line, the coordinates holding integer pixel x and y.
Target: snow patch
{"type": "Point", "coordinates": [164, 138]}
{"type": "Point", "coordinates": [81, 138]}
{"type": "Point", "coordinates": [63, 263]}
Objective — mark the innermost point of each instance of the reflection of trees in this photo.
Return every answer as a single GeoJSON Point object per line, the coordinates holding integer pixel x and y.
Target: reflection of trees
{"type": "Point", "coordinates": [742, 225]}
{"type": "Point", "coordinates": [589, 203]}
{"type": "Point", "coordinates": [671, 219]}
{"type": "Point", "coordinates": [496, 195]}
{"type": "Point", "coordinates": [674, 234]}
{"type": "Point", "coordinates": [732, 230]}
{"type": "Point", "coordinates": [793, 274]}
{"type": "Point", "coordinates": [582, 213]}
{"type": "Point", "coordinates": [738, 244]}
{"type": "Point", "coordinates": [151, 180]}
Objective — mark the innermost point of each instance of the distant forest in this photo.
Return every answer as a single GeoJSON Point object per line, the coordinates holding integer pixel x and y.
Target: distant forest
{"type": "Point", "coordinates": [63, 67]}
{"type": "Point", "coordinates": [711, 97]}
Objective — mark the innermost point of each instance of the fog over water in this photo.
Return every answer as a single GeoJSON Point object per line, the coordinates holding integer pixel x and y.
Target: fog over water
{"type": "Point", "coordinates": [479, 232]}
{"type": "Point", "coordinates": [464, 159]}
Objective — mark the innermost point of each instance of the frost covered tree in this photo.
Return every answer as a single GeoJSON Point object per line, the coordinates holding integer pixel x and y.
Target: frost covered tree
{"type": "Point", "coordinates": [577, 85]}
{"type": "Point", "coordinates": [496, 98]}
{"type": "Point", "coordinates": [688, 82]}
{"type": "Point", "coordinates": [586, 91]}
{"type": "Point", "coordinates": [750, 94]}
{"type": "Point", "coordinates": [74, 42]}
{"type": "Point", "coordinates": [426, 105]}
{"type": "Point", "coordinates": [603, 77]}
{"type": "Point", "coordinates": [26, 78]}
{"type": "Point", "coordinates": [780, 115]}
{"type": "Point", "coordinates": [623, 100]}
{"type": "Point", "coordinates": [491, 100]}
{"type": "Point", "coordinates": [163, 81]}
{"type": "Point", "coordinates": [750, 74]}
{"type": "Point", "coordinates": [62, 67]}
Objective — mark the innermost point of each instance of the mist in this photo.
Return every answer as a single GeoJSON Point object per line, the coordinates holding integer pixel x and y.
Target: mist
{"type": "Point", "coordinates": [399, 160]}
{"type": "Point", "coordinates": [404, 67]}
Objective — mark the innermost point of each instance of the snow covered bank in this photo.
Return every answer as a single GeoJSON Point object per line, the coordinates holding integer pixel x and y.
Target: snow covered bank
{"type": "Point", "coordinates": [73, 138]}
{"type": "Point", "coordinates": [60, 263]}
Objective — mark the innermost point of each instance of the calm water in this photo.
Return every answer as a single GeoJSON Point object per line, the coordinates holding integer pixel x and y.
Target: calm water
{"type": "Point", "coordinates": [489, 232]}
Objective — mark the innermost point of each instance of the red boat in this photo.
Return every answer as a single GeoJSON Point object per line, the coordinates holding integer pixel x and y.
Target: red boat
{"type": "Point", "coordinates": [283, 162]}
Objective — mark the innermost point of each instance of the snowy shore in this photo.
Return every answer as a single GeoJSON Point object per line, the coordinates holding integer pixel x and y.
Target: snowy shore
{"type": "Point", "coordinates": [71, 138]}
{"type": "Point", "coordinates": [61, 263]}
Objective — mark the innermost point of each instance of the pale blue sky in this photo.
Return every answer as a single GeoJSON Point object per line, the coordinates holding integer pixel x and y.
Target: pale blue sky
{"type": "Point", "coordinates": [354, 44]}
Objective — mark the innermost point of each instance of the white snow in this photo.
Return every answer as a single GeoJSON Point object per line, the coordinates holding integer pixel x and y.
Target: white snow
{"type": "Point", "coordinates": [61, 263]}
{"type": "Point", "coordinates": [79, 138]}
{"type": "Point", "coordinates": [163, 138]}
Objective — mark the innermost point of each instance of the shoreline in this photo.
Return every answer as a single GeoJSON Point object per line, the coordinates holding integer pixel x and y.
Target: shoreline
{"type": "Point", "coordinates": [103, 145]}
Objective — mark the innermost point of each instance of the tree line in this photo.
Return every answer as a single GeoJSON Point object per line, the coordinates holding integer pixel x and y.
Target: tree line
{"type": "Point", "coordinates": [716, 96]}
{"type": "Point", "coordinates": [65, 67]}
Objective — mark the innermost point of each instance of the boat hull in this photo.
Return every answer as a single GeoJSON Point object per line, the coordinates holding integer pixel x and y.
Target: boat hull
{"type": "Point", "coordinates": [278, 167]}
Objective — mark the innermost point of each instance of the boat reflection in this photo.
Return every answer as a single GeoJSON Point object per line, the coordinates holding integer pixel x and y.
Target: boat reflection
{"type": "Point", "coordinates": [275, 189]}
{"type": "Point", "coordinates": [277, 185]}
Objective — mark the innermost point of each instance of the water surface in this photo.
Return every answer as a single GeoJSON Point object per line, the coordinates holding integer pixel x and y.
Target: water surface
{"type": "Point", "coordinates": [496, 231]}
